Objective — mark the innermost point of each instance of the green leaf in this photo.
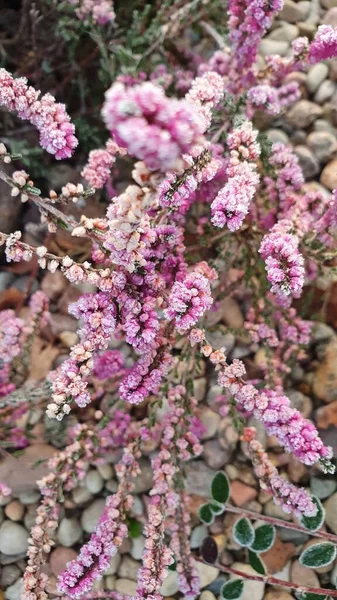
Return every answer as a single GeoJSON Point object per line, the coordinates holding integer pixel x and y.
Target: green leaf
{"type": "Point", "coordinates": [217, 508]}
{"type": "Point", "coordinates": [232, 590]}
{"type": "Point", "coordinates": [135, 528]}
{"type": "Point", "coordinates": [256, 562]}
{"type": "Point", "coordinates": [206, 514]}
{"type": "Point", "coordinates": [264, 538]}
{"type": "Point", "coordinates": [316, 522]}
{"type": "Point", "coordinates": [318, 555]}
{"type": "Point", "coordinates": [220, 487]}
{"type": "Point", "coordinates": [309, 596]}
{"type": "Point", "coordinates": [173, 566]}
{"type": "Point", "coordinates": [243, 532]}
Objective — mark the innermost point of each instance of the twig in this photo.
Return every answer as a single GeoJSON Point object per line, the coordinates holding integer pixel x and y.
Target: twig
{"type": "Point", "coordinates": [273, 580]}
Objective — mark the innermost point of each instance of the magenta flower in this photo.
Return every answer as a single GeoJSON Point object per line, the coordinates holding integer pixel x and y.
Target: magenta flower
{"type": "Point", "coordinates": [324, 44]}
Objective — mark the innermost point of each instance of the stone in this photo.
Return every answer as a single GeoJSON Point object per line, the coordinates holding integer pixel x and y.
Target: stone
{"type": "Point", "coordinates": [325, 92]}
{"type": "Point", "coordinates": [197, 536]}
{"type": "Point", "coordinates": [59, 558]}
{"type": "Point", "coordinates": [272, 510]}
{"type": "Point", "coordinates": [325, 376]}
{"type": "Point", "coordinates": [105, 470]}
{"type": "Point", "coordinates": [94, 482]}
{"type": "Point", "coordinates": [199, 478]}
{"type": "Point", "coordinates": [323, 144]}
{"type": "Point", "coordinates": [322, 488]}
{"type": "Point", "coordinates": [143, 482]}
{"type": "Point", "coordinates": [214, 455]}
{"type": "Point", "coordinates": [110, 582]}
{"type": "Point", "coordinates": [91, 515]}
{"type": "Point", "coordinates": [128, 568]}
{"type": "Point", "coordinates": [126, 586]}
{"type": "Point", "coordinates": [299, 574]}
{"type": "Point", "coordinates": [268, 46]}
{"type": "Point", "coordinates": [14, 510]}
{"type": "Point", "coordinates": [232, 314]}
{"type": "Point", "coordinates": [329, 175]}
{"type": "Point", "coordinates": [206, 595]}
{"type": "Point", "coordinates": [322, 332]}
{"type": "Point", "coordinates": [30, 516]}
{"type": "Point", "coordinates": [303, 114]}
{"type": "Point", "coordinates": [54, 284]}
{"type": "Point", "coordinates": [300, 401]}
{"type": "Point", "coordinates": [327, 415]}
{"type": "Point", "coordinates": [290, 535]}
{"type": "Point", "coordinates": [137, 547]}
{"type": "Point", "coordinates": [221, 338]}
{"type": "Point", "coordinates": [323, 125]}
{"type": "Point", "coordinates": [69, 532]}
{"type": "Point", "coordinates": [251, 589]}
{"type": "Point", "coordinates": [286, 33]}
{"type": "Point", "coordinates": [211, 421]}
{"type": "Point", "coordinates": [242, 493]}
{"type": "Point", "coordinates": [278, 594]}
{"type": "Point", "coordinates": [308, 161]}
{"type": "Point", "coordinates": [81, 495]}
{"type": "Point", "coordinates": [331, 512]}
{"type": "Point", "coordinates": [316, 75]}
{"type": "Point", "coordinates": [14, 591]}
{"type": "Point", "coordinates": [277, 135]}
{"type": "Point", "coordinates": [68, 338]}
{"type": "Point", "coordinates": [278, 555]}
{"type": "Point", "coordinates": [199, 388]}
{"type": "Point", "coordinates": [170, 585]}
{"type": "Point", "coordinates": [9, 575]}
{"type": "Point", "coordinates": [295, 11]}
{"type": "Point", "coordinates": [207, 574]}
{"type": "Point", "coordinates": [13, 538]}
{"type": "Point", "coordinates": [30, 496]}
{"type": "Point", "coordinates": [114, 564]}
{"type": "Point", "coordinates": [330, 17]}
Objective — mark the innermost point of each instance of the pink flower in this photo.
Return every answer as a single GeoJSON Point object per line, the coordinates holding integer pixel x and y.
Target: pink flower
{"type": "Point", "coordinates": [284, 263]}
{"type": "Point", "coordinates": [57, 133]}
{"type": "Point", "coordinates": [151, 126]}
{"type": "Point", "coordinates": [188, 301]}
{"type": "Point", "coordinates": [324, 44]}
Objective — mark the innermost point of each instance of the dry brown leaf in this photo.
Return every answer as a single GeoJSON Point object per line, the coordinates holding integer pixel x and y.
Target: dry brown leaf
{"type": "Point", "coordinates": [11, 298]}
{"type": "Point", "coordinates": [42, 358]}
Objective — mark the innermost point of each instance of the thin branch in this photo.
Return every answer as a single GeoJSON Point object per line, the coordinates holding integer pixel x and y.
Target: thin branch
{"type": "Point", "coordinates": [273, 580]}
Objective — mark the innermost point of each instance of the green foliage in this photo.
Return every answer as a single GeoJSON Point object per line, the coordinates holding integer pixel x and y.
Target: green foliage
{"type": "Point", "coordinates": [217, 508]}
{"type": "Point", "coordinates": [316, 522]}
{"type": "Point", "coordinates": [264, 538]}
{"type": "Point", "coordinates": [256, 563]}
{"type": "Point", "coordinates": [243, 532]}
{"type": "Point", "coordinates": [135, 528]}
{"type": "Point", "coordinates": [232, 590]}
{"type": "Point", "coordinates": [206, 514]}
{"type": "Point", "coordinates": [220, 488]}
{"type": "Point", "coordinates": [318, 555]}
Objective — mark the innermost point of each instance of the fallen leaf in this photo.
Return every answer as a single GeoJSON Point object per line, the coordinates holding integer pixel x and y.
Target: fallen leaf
{"type": "Point", "coordinates": [42, 358]}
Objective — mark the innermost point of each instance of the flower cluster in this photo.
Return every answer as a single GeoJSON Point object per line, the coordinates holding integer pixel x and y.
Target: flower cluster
{"type": "Point", "coordinates": [152, 127]}
{"type": "Point", "coordinates": [288, 496]}
{"type": "Point", "coordinates": [232, 203]}
{"type": "Point", "coordinates": [98, 168]}
{"type": "Point", "coordinates": [57, 133]}
{"type": "Point", "coordinates": [100, 11]}
{"type": "Point", "coordinates": [284, 262]}
{"type": "Point", "coordinates": [190, 298]}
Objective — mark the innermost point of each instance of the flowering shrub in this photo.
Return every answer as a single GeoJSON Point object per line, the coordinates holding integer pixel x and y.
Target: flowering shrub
{"type": "Point", "coordinates": [200, 167]}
